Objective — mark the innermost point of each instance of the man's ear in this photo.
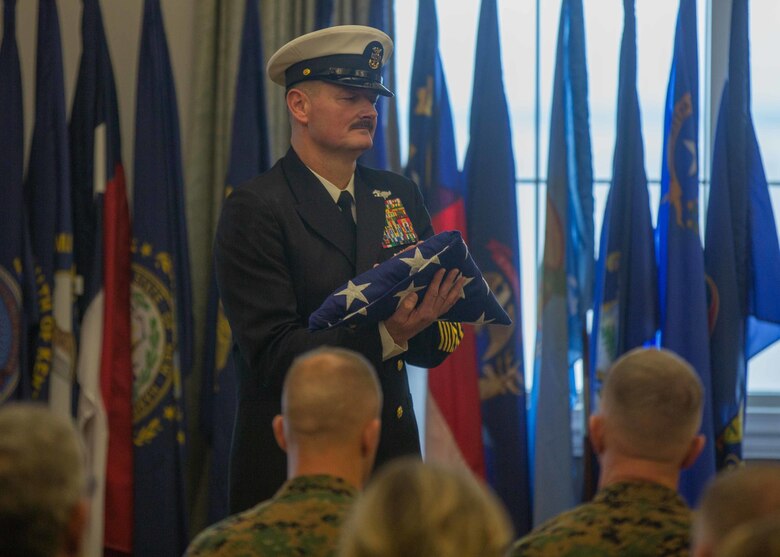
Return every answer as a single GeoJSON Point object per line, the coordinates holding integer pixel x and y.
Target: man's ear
{"type": "Point", "coordinates": [694, 450]}
{"type": "Point", "coordinates": [278, 427]}
{"type": "Point", "coordinates": [596, 431]}
{"type": "Point", "coordinates": [298, 105]}
{"type": "Point", "coordinates": [370, 438]}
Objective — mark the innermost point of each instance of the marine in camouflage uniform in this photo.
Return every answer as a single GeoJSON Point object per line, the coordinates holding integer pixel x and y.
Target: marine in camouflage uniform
{"type": "Point", "coordinates": [303, 518]}
{"type": "Point", "coordinates": [631, 518]}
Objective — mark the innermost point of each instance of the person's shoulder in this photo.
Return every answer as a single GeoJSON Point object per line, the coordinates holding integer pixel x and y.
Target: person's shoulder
{"type": "Point", "coordinates": [230, 536]}
{"type": "Point", "coordinates": [265, 183]}
{"type": "Point", "coordinates": [304, 518]}
{"type": "Point", "coordinates": [638, 500]}
{"type": "Point", "coordinates": [319, 487]}
{"type": "Point", "coordinates": [313, 499]}
{"type": "Point", "coordinates": [261, 195]}
{"type": "Point", "coordinates": [575, 528]}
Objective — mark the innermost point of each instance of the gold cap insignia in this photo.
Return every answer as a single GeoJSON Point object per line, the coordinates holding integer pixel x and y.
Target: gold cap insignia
{"type": "Point", "coordinates": [375, 59]}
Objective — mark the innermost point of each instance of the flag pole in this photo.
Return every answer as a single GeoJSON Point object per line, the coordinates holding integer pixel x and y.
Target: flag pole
{"type": "Point", "coordinates": [589, 468]}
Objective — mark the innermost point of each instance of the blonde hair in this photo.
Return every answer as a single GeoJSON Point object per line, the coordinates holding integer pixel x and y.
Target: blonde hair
{"type": "Point", "coordinates": [42, 479]}
{"type": "Point", "coordinates": [757, 538]}
{"type": "Point", "coordinates": [735, 497]}
{"type": "Point", "coordinates": [415, 509]}
{"type": "Point", "coordinates": [653, 401]}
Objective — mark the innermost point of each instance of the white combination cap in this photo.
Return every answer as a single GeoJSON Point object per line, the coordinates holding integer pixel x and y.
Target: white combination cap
{"type": "Point", "coordinates": [350, 55]}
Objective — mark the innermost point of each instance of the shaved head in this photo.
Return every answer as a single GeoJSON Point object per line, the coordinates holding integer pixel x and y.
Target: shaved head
{"type": "Point", "coordinates": [329, 395]}
{"type": "Point", "coordinates": [652, 404]}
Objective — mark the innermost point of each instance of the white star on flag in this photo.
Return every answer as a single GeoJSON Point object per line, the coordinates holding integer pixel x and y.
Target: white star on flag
{"type": "Point", "coordinates": [418, 262]}
{"type": "Point", "coordinates": [465, 284]}
{"type": "Point", "coordinates": [354, 292]}
{"type": "Point", "coordinates": [401, 294]}
{"type": "Point", "coordinates": [482, 320]}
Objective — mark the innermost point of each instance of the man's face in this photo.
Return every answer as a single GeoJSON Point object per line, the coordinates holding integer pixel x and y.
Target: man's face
{"type": "Point", "coordinates": [342, 118]}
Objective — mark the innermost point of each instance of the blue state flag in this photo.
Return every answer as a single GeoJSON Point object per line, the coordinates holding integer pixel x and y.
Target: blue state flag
{"type": "Point", "coordinates": [249, 156]}
{"type": "Point", "coordinates": [491, 209]}
{"type": "Point", "coordinates": [681, 283]}
{"type": "Point", "coordinates": [377, 156]}
{"type": "Point", "coordinates": [625, 311]}
{"type": "Point", "coordinates": [567, 270]}
{"type": "Point", "coordinates": [161, 301]}
{"type": "Point", "coordinates": [742, 258]}
{"type": "Point", "coordinates": [51, 226]}
{"type": "Point", "coordinates": [17, 286]}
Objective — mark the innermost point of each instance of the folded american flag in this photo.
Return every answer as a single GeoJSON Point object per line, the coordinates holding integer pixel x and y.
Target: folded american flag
{"type": "Point", "coordinates": [374, 296]}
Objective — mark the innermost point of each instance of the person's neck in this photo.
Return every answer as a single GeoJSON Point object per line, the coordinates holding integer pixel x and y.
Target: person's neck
{"type": "Point", "coordinates": [336, 167]}
{"type": "Point", "coordinates": [621, 468]}
{"type": "Point", "coordinates": [349, 467]}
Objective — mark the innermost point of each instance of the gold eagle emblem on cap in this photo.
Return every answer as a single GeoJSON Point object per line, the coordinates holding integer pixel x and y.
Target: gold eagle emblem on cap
{"type": "Point", "coordinates": [376, 57]}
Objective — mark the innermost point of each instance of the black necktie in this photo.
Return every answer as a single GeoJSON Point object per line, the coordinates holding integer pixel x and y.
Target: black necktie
{"type": "Point", "coordinates": [345, 206]}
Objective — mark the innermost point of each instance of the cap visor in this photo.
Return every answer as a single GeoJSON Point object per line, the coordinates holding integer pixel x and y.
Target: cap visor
{"type": "Point", "coordinates": [360, 83]}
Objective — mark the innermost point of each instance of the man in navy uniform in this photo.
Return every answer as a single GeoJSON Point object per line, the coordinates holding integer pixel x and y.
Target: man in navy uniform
{"type": "Point", "coordinates": [289, 237]}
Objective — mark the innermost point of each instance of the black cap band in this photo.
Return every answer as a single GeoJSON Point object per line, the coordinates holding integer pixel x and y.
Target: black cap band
{"type": "Point", "coordinates": [352, 70]}
{"type": "Point", "coordinates": [331, 67]}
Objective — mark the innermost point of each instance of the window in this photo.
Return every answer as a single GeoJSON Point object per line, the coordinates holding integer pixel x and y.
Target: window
{"type": "Point", "coordinates": [763, 373]}
{"type": "Point", "coordinates": [523, 48]}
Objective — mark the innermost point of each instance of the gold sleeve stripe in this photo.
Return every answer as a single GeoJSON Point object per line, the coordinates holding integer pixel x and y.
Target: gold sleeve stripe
{"type": "Point", "coordinates": [450, 335]}
{"type": "Point", "coordinates": [444, 336]}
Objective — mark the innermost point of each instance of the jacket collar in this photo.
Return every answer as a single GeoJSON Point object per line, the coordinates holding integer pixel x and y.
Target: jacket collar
{"type": "Point", "coordinates": [316, 208]}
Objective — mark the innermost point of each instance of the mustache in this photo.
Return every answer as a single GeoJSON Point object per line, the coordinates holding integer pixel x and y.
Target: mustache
{"type": "Point", "coordinates": [364, 123]}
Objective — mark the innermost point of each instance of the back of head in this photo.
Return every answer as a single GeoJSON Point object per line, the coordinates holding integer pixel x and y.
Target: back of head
{"type": "Point", "coordinates": [652, 404]}
{"type": "Point", "coordinates": [42, 480]}
{"type": "Point", "coordinates": [329, 396]}
{"type": "Point", "coordinates": [414, 509]}
{"type": "Point", "coordinates": [757, 538]}
{"type": "Point", "coordinates": [733, 498]}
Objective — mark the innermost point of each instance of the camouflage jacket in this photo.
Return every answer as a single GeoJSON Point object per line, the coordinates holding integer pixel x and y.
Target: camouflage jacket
{"type": "Point", "coordinates": [628, 518]}
{"type": "Point", "coordinates": [303, 518]}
